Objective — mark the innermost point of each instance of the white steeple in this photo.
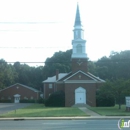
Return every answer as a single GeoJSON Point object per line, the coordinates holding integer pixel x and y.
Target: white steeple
{"type": "Point", "coordinates": [78, 42]}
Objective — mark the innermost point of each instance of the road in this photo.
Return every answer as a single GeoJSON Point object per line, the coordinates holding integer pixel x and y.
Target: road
{"type": "Point", "coordinates": [6, 107]}
{"type": "Point", "coordinates": [59, 125]}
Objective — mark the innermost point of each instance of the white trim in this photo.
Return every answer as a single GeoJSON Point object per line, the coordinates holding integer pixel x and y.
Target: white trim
{"type": "Point", "coordinates": [82, 73]}
{"type": "Point", "coordinates": [96, 77]}
{"type": "Point", "coordinates": [60, 82]}
{"type": "Point", "coordinates": [81, 81]}
{"type": "Point", "coordinates": [79, 55]}
{"type": "Point", "coordinates": [17, 95]}
{"type": "Point", "coordinates": [78, 27]}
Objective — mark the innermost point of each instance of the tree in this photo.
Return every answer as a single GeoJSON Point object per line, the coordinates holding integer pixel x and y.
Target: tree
{"type": "Point", "coordinates": [115, 66]}
{"type": "Point", "coordinates": [60, 60]}
{"type": "Point", "coordinates": [31, 76]}
{"type": "Point", "coordinates": [7, 74]}
{"type": "Point", "coordinates": [92, 67]}
{"type": "Point", "coordinates": [111, 68]}
{"type": "Point", "coordinates": [104, 97]}
{"type": "Point", "coordinates": [118, 89]}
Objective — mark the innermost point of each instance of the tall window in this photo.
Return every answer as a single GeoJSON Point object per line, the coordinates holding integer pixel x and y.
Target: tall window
{"type": "Point", "coordinates": [76, 34]}
{"type": "Point", "coordinates": [82, 34]}
{"type": "Point", "coordinates": [50, 85]}
{"type": "Point", "coordinates": [79, 48]}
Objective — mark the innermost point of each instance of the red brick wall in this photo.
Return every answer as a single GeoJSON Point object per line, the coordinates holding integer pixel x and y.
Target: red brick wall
{"type": "Point", "coordinates": [47, 90]}
{"type": "Point", "coordinates": [56, 87]}
{"type": "Point", "coordinates": [76, 67]}
{"type": "Point", "coordinates": [60, 87]}
{"type": "Point", "coordinates": [90, 93]}
{"type": "Point", "coordinates": [24, 92]}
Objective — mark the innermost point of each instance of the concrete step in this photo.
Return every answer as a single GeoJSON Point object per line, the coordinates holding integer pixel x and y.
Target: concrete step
{"type": "Point", "coordinates": [80, 105]}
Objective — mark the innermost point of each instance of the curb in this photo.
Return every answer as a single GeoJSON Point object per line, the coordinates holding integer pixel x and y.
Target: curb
{"type": "Point", "coordinates": [66, 118]}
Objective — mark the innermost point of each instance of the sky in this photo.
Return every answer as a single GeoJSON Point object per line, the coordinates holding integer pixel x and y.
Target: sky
{"type": "Point", "coordinates": [33, 30]}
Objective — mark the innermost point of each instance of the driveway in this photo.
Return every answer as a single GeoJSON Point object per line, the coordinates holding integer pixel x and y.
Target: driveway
{"type": "Point", "coordinates": [6, 107]}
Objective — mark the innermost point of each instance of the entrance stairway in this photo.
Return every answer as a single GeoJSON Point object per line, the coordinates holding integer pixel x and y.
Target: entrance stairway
{"type": "Point", "coordinates": [81, 105]}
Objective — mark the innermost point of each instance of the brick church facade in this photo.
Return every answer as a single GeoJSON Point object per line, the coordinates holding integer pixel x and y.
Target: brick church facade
{"type": "Point", "coordinates": [79, 85]}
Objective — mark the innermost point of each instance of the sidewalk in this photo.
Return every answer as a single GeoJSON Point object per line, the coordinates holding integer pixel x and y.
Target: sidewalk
{"type": "Point", "coordinates": [88, 111]}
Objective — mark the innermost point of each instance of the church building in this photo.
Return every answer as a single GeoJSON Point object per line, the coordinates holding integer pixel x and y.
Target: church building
{"type": "Point", "coordinates": [79, 85]}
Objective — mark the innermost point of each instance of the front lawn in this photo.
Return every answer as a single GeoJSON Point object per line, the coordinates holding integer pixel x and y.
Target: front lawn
{"type": "Point", "coordinates": [111, 111]}
{"type": "Point", "coordinates": [39, 110]}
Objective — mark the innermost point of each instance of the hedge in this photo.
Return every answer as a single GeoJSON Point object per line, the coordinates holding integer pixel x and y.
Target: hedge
{"type": "Point", "coordinates": [56, 99]}
{"type": "Point", "coordinates": [27, 101]}
{"type": "Point", "coordinates": [102, 101]}
{"type": "Point", "coordinates": [6, 101]}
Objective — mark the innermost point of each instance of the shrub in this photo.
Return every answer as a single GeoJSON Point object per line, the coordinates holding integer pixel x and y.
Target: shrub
{"type": "Point", "coordinates": [56, 99]}
{"type": "Point", "coordinates": [41, 101]}
{"type": "Point", "coordinates": [27, 101]}
{"type": "Point", "coordinates": [5, 101]}
{"type": "Point", "coordinates": [105, 101]}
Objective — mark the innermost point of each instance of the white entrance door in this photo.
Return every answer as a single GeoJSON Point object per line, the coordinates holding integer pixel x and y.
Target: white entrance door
{"type": "Point", "coordinates": [16, 98]}
{"type": "Point", "coordinates": [80, 95]}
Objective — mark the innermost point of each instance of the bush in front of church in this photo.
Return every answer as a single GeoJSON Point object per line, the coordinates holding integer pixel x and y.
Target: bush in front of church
{"type": "Point", "coordinates": [105, 101]}
{"type": "Point", "coordinates": [5, 101]}
{"type": "Point", "coordinates": [27, 101]}
{"type": "Point", "coordinates": [56, 99]}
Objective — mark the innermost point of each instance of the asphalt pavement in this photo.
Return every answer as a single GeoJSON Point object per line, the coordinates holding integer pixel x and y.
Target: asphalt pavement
{"type": "Point", "coordinates": [60, 125]}
{"type": "Point", "coordinates": [6, 107]}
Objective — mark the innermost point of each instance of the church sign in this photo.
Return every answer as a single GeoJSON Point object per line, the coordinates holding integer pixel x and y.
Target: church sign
{"type": "Point", "coordinates": [127, 103]}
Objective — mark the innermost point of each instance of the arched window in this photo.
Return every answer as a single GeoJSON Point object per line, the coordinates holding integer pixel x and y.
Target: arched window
{"type": "Point", "coordinates": [79, 48]}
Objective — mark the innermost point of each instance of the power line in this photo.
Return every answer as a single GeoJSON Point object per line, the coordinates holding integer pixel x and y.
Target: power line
{"type": "Point", "coordinates": [32, 47]}
{"type": "Point", "coordinates": [47, 22]}
{"type": "Point", "coordinates": [108, 61]}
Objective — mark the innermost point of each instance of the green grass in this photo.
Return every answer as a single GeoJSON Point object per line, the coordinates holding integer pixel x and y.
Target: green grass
{"type": "Point", "coordinates": [39, 110]}
{"type": "Point", "coordinates": [111, 111]}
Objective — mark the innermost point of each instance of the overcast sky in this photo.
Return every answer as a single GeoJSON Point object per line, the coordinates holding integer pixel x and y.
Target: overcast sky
{"type": "Point", "coordinates": [32, 30]}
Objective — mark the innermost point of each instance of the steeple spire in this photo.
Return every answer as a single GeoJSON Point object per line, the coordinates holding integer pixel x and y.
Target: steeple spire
{"type": "Point", "coordinates": [77, 18]}
{"type": "Point", "coordinates": [79, 55]}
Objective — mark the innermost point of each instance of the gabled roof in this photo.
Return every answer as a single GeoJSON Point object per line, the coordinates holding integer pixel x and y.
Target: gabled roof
{"type": "Point", "coordinates": [91, 76]}
{"type": "Point", "coordinates": [33, 89]}
{"type": "Point", "coordinates": [53, 79]}
{"type": "Point", "coordinates": [96, 77]}
{"type": "Point", "coordinates": [63, 77]}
